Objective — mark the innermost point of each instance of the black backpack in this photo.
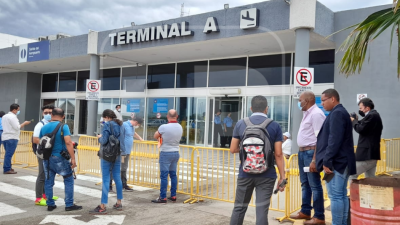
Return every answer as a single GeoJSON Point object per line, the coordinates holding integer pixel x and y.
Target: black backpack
{"type": "Point", "coordinates": [256, 148]}
{"type": "Point", "coordinates": [46, 143]}
{"type": "Point", "coordinates": [35, 146]}
{"type": "Point", "coordinates": [111, 150]}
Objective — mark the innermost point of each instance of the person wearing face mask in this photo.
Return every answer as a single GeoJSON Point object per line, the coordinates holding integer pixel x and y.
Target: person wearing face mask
{"type": "Point", "coordinates": [117, 112]}
{"type": "Point", "coordinates": [40, 194]}
{"type": "Point", "coordinates": [370, 130]}
{"type": "Point", "coordinates": [313, 118]}
{"type": "Point", "coordinates": [10, 136]}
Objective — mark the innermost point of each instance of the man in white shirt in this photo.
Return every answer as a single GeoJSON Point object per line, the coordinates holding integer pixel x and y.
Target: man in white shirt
{"type": "Point", "coordinates": [287, 145]}
{"type": "Point", "coordinates": [10, 136]}
{"type": "Point", "coordinates": [117, 112]}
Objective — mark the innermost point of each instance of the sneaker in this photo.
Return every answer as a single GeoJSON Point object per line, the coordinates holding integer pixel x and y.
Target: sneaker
{"type": "Point", "coordinates": [51, 207]}
{"type": "Point", "coordinates": [41, 202]}
{"type": "Point", "coordinates": [117, 206]}
{"type": "Point", "coordinates": [55, 198]}
{"type": "Point", "coordinates": [159, 200]}
{"type": "Point", "coordinates": [10, 172]}
{"type": "Point", "coordinates": [98, 210]}
{"type": "Point", "coordinates": [128, 189]}
{"type": "Point", "coordinates": [173, 199]}
{"type": "Point", "coordinates": [73, 208]}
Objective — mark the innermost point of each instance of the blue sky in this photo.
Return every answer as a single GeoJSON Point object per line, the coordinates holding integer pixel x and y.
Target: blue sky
{"type": "Point", "coordinates": [32, 19]}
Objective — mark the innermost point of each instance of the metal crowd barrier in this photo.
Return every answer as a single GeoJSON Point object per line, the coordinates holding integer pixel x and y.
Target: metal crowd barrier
{"type": "Point", "coordinates": [24, 154]}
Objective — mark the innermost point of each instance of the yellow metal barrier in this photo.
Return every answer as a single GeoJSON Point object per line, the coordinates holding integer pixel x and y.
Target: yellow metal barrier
{"type": "Point", "coordinates": [24, 153]}
{"type": "Point", "coordinates": [392, 153]}
{"type": "Point", "coordinates": [88, 161]}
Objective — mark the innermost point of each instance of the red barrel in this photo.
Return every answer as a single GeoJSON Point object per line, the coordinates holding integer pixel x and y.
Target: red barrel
{"type": "Point", "coordinates": [375, 201]}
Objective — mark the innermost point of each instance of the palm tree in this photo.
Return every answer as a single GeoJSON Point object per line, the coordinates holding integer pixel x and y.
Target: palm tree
{"type": "Point", "coordinates": [356, 44]}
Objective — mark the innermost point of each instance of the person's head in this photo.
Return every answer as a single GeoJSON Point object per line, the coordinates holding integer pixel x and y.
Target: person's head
{"type": "Point", "coordinates": [2, 113]}
{"type": "Point", "coordinates": [229, 114]}
{"type": "Point", "coordinates": [137, 121]}
{"type": "Point", "coordinates": [109, 115]}
{"type": "Point", "coordinates": [57, 114]}
{"type": "Point", "coordinates": [14, 108]}
{"type": "Point", "coordinates": [217, 112]}
{"type": "Point", "coordinates": [259, 104]}
{"type": "Point", "coordinates": [118, 108]}
{"type": "Point", "coordinates": [172, 115]}
{"type": "Point", "coordinates": [365, 105]}
{"type": "Point", "coordinates": [47, 110]}
{"type": "Point", "coordinates": [329, 99]}
{"type": "Point", "coordinates": [306, 100]}
{"type": "Point", "coordinates": [286, 136]}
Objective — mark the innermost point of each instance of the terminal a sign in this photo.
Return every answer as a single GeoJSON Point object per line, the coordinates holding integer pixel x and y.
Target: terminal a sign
{"type": "Point", "coordinates": [249, 18]}
{"type": "Point", "coordinates": [35, 51]}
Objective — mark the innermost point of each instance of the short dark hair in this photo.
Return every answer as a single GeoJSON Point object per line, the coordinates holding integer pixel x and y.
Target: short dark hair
{"type": "Point", "coordinates": [117, 106]}
{"type": "Point", "coordinates": [332, 93]}
{"type": "Point", "coordinates": [2, 113]}
{"type": "Point", "coordinates": [110, 114]}
{"type": "Point", "coordinates": [57, 112]}
{"type": "Point", "coordinates": [259, 103]}
{"type": "Point", "coordinates": [138, 119]}
{"type": "Point", "coordinates": [367, 102]}
{"type": "Point", "coordinates": [14, 106]}
{"type": "Point", "coordinates": [48, 107]}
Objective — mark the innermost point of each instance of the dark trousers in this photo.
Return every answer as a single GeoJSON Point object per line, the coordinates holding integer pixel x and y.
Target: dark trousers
{"type": "Point", "coordinates": [124, 168]}
{"type": "Point", "coordinates": [244, 191]}
{"type": "Point", "coordinates": [40, 179]}
{"type": "Point", "coordinates": [228, 135]}
{"type": "Point", "coordinates": [218, 130]}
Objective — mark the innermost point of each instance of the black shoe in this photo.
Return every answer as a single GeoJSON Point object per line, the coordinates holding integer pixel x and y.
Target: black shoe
{"type": "Point", "coordinates": [51, 207]}
{"type": "Point", "coordinates": [98, 210]}
{"type": "Point", "coordinates": [73, 208]}
{"type": "Point", "coordinates": [117, 206]}
{"type": "Point", "coordinates": [159, 200]}
{"type": "Point", "coordinates": [173, 199]}
{"type": "Point", "coordinates": [128, 189]}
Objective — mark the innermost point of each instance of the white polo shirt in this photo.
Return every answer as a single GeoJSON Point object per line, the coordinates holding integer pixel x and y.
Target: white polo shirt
{"type": "Point", "coordinates": [11, 127]}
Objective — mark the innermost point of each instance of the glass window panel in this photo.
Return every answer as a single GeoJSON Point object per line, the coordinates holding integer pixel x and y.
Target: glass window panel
{"type": "Point", "coordinates": [269, 70]}
{"type": "Point", "coordinates": [323, 63]}
{"type": "Point", "coordinates": [82, 77]}
{"type": "Point", "coordinates": [131, 107]}
{"type": "Point", "coordinates": [70, 114]}
{"type": "Point", "coordinates": [132, 73]}
{"type": "Point", "coordinates": [53, 102]}
{"type": "Point", "coordinates": [83, 117]}
{"type": "Point", "coordinates": [227, 72]}
{"type": "Point", "coordinates": [110, 79]}
{"type": "Point", "coordinates": [192, 112]}
{"type": "Point", "coordinates": [50, 82]}
{"type": "Point", "coordinates": [161, 76]}
{"type": "Point", "coordinates": [105, 103]}
{"type": "Point", "coordinates": [191, 74]}
{"type": "Point", "coordinates": [155, 106]}
{"type": "Point", "coordinates": [67, 81]}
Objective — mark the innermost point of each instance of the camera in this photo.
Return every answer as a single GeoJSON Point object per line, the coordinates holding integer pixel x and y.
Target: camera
{"type": "Point", "coordinates": [354, 115]}
{"type": "Point", "coordinates": [65, 153]}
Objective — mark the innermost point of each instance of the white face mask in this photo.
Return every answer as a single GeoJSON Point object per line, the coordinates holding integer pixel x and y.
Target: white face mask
{"type": "Point", "coordinates": [119, 110]}
{"type": "Point", "coordinates": [136, 127]}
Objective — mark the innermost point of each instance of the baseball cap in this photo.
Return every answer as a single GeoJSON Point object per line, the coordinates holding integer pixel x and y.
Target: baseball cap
{"type": "Point", "coordinates": [286, 134]}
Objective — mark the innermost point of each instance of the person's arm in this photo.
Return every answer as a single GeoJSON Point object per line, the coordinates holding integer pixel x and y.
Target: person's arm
{"type": "Point", "coordinates": [364, 125]}
{"type": "Point", "coordinates": [105, 134]}
{"type": "Point", "coordinates": [225, 126]}
{"type": "Point", "coordinates": [317, 122]}
{"type": "Point", "coordinates": [70, 149]}
{"type": "Point", "coordinates": [280, 163]}
{"type": "Point", "coordinates": [235, 148]}
{"type": "Point", "coordinates": [137, 136]}
{"type": "Point", "coordinates": [159, 132]}
{"type": "Point", "coordinates": [337, 125]}
{"type": "Point", "coordinates": [36, 133]}
{"type": "Point", "coordinates": [122, 139]}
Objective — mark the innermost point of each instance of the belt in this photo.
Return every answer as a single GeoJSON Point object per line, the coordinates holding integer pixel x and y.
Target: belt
{"type": "Point", "coordinates": [302, 149]}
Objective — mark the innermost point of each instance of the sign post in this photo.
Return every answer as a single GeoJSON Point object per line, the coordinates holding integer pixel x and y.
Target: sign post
{"type": "Point", "coordinates": [93, 89]}
{"type": "Point", "coordinates": [303, 80]}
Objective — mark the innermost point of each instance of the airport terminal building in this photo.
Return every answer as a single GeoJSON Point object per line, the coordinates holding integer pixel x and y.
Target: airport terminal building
{"type": "Point", "coordinates": [199, 64]}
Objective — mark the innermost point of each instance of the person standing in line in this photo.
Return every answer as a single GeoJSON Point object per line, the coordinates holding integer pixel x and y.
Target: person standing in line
{"type": "Point", "coordinates": [287, 145]}
{"type": "Point", "coordinates": [112, 126]}
{"type": "Point", "coordinates": [218, 129]}
{"type": "Point", "coordinates": [228, 126]}
{"type": "Point", "coordinates": [126, 140]}
{"type": "Point", "coordinates": [335, 154]}
{"type": "Point", "coordinates": [170, 134]}
{"type": "Point", "coordinates": [40, 180]}
{"type": "Point", "coordinates": [2, 113]}
{"type": "Point", "coordinates": [10, 136]}
{"type": "Point", "coordinates": [369, 142]}
{"type": "Point", "coordinates": [313, 118]}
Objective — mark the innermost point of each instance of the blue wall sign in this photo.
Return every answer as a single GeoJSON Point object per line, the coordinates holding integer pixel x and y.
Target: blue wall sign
{"type": "Point", "coordinates": [133, 105]}
{"type": "Point", "coordinates": [35, 51]}
{"type": "Point", "coordinates": [319, 104]}
{"type": "Point", "coordinates": [160, 105]}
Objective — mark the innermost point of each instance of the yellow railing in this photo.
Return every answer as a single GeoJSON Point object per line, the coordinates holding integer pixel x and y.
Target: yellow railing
{"type": "Point", "coordinates": [24, 153]}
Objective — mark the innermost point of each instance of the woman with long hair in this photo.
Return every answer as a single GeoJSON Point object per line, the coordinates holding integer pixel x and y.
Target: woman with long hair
{"type": "Point", "coordinates": [110, 119]}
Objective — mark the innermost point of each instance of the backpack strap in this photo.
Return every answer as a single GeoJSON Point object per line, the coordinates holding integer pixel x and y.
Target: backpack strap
{"type": "Point", "coordinates": [266, 123]}
{"type": "Point", "coordinates": [111, 127]}
{"type": "Point", "coordinates": [248, 122]}
{"type": "Point", "coordinates": [56, 129]}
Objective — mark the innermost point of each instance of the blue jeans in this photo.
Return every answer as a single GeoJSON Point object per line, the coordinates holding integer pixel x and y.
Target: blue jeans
{"type": "Point", "coordinates": [115, 169]}
{"type": "Point", "coordinates": [9, 146]}
{"type": "Point", "coordinates": [58, 165]}
{"type": "Point", "coordinates": [168, 163]}
{"type": "Point", "coordinates": [337, 193]}
{"type": "Point", "coordinates": [310, 186]}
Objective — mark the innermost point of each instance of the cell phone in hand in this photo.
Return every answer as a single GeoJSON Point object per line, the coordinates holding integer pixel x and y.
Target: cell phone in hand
{"type": "Point", "coordinates": [281, 185]}
{"type": "Point", "coordinates": [32, 120]}
{"type": "Point", "coordinates": [328, 177]}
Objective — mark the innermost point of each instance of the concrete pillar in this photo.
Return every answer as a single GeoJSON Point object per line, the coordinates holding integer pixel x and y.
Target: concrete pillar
{"type": "Point", "coordinates": [92, 105]}
{"type": "Point", "coordinates": [302, 52]}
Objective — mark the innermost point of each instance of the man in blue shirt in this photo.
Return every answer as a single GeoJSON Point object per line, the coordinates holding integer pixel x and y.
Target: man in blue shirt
{"type": "Point", "coordinates": [228, 125]}
{"type": "Point", "coordinates": [126, 142]}
{"type": "Point", "coordinates": [218, 129]}
{"type": "Point", "coordinates": [57, 164]}
{"type": "Point", "coordinates": [263, 182]}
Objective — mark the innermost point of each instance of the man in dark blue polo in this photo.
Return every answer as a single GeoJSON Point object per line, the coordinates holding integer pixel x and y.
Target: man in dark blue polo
{"type": "Point", "coordinates": [335, 154]}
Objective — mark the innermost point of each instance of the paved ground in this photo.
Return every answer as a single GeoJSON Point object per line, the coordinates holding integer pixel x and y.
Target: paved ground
{"type": "Point", "coordinates": [17, 206]}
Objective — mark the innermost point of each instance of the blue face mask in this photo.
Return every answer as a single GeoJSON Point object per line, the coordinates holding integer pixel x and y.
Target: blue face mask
{"type": "Point", "coordinates": [299, 105]}
{"type": "Point", "coordinates": [47, 117]}
{"type": "Point", "coordinates": [18, 112]}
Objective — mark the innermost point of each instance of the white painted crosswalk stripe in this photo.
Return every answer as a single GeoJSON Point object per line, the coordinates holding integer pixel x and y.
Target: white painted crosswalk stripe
{"type": "Point", "coordinates": [77, 189]}
{"type": "Point", "coordinates": [98, 180]}
{"type": "Point", "coordinates": [23, 192]}
{"type": "Point", "coordinates": [6, 210]}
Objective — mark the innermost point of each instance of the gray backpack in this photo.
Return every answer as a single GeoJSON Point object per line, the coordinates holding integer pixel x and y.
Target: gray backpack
{"type": "Point", "coordinates": [256, 148]}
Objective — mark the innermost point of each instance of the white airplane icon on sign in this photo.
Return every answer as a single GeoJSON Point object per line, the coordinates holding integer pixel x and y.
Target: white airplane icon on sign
{"type": "Point", "coordinates": [249, 18]}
